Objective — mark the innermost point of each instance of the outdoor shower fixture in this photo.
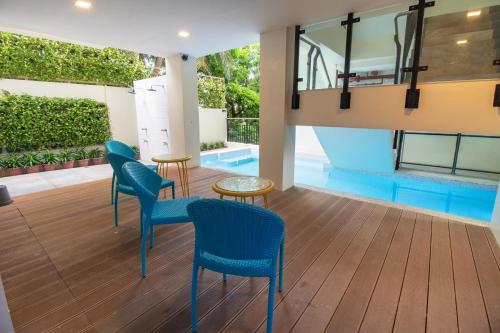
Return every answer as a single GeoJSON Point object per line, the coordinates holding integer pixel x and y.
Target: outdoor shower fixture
{"type": "Point", "coordinates": [155, 85]}
{"type": "Point", "coordinates": [133, 90]}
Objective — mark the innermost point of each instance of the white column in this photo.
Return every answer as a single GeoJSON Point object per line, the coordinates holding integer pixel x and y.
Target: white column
{"type": "Point", "coordinates": [277, 139]}
{"type": "Point", "coordinates": [182, 99]}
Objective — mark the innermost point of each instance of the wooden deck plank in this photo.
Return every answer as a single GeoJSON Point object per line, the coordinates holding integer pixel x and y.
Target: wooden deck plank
{"type": "Point", "coordinates": [381, 312]}
{"type": "Point", "coordinates": [488, 273]}
{"type": "Point", "coordinates": [350, 312]}
{"type": "Point", "coordinates": [66, 268]}
{"type": "Point", "coordinates": [441, 311]}
{"type": "Point", "coordinates": [317, 315]}
{"type": "Point", "coordinates": [296, 280]}
{"type": "Point", "coordinates": [471, 312]}
{"type": "Point", "coordinates": [494, 245]}
{"type": "Point", "coordinates": [412, 308]}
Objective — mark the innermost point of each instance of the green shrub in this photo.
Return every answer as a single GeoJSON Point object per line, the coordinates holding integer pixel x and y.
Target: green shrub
{"type": "Point", "coordinates": [96, 153]}
{"type": "Point", "coordinates": [66, 155]}
{"type": "Point", "coordinates": [49, 157]}
{"type": "Point", "coordinates": [203, 146]}
{"type": "Point", "coordinates": [211, 92]}
{"type": "Point", "coordinates": [30, 123]}
{"type": "Point", "coordinates": [30, 159]}
{"type": "Point", "coordinates": [23, 57]}
{"type": "Point", "coordinates": [135, 148]}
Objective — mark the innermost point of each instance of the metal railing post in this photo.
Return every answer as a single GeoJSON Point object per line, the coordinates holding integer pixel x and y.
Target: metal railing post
{"type": "Point", "coordinates": [455, 156]}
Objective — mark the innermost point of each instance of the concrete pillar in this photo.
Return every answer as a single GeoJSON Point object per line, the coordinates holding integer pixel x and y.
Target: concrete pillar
{"type": "Point", "coordinates": [277, 139]}
{"type": "Point", "coordinates": [182, 101]}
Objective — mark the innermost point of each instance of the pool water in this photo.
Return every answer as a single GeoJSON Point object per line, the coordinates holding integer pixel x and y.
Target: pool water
{"type": "Point", "coordinates": [465, 199]}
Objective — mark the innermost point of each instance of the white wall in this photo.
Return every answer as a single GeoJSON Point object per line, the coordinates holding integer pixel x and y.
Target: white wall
{"type": "Point", "coordinates": [213, 125]}
{"type": "Point", "coordinates": [358, 148]}
{"type": "Point", "coordinates": [120, 103]}
{"type": "Point", "coordinates": [168, 118]}
{"type": "Point", "coordinates": [306, 141]}
{"type": "Point", "coordinates": [5, 321]}
{"type": "Point", "coordinates": [495, 219]}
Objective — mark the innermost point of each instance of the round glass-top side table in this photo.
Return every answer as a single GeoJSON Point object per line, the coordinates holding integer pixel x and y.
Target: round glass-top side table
{"type": "Point", "coordinates": [242, 187]}
{"type": "Point", "coordinates": [181, 161]}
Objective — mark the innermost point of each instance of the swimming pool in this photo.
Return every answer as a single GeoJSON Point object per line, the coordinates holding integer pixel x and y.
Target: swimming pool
{"type": "Point", "coordinates": [465, 199]}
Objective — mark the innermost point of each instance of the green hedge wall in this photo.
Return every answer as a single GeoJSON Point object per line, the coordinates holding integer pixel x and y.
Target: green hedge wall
{"type": "Point", "coordinates": [23, 57]}
{"type": "Point", "coordinates": [31, 123]}
{"type": "Point", "coordinates": [211, 92]}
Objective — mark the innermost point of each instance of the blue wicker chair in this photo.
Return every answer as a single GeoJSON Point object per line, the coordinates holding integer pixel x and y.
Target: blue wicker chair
{"type": "Point", "coordinates": [122, 185]}
{"type": "Point", "coordinates": [147, 184]}
{"type": "Point", "coordinates": [118, 147]}
{"type": "Point", "coordinates": [238, 239]}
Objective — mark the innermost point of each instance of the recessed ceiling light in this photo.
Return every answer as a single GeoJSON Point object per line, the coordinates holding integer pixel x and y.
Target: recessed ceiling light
{"type": "Point", "coordinates": [183, 33]}
{"type": "Point", "coordinates": [462, 42]}
{"type": "Point", "coordinates": [83, 4]}
{"type": "Point", "coordinates": [474, 13]}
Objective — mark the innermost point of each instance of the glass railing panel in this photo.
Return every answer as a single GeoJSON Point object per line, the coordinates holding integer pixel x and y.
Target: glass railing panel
{"type": "Point", "coordinates": [429, 150]}
{"type": "Point", "coordinates": [461, 40]}
{"type": "Point", "coordinates": [382, 44]}
{"type": "Point", "coordinates": [321, 55]}
{"type": "Point", "coordinates": [479, 153]}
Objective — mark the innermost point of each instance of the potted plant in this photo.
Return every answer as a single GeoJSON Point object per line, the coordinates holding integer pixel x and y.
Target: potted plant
{"type": "Point", "coordinates": [82, 157]}
{"type": "Point", "coordinates": [96, 156]}
{"type": "Point", "coordinates": [137, 152]}
{"type": "Point", "coordinates": [49, 160]}
{"type": "Point", "coordinates": [31, 162]}
{"type": "Point", "coordinates": [13, 164]}
{"type": "Point", "coordinates": [67, 159]}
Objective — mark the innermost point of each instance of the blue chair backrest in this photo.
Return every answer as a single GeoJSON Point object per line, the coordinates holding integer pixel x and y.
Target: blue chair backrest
{"type": "Point", "coordinates": [118, 147]}
{"type": "Point", "coordinates": [146, 183]}
{"type": "Point", "coordinates": [235, 230]}
{"type": "Point", "coordinates": [117, 161]}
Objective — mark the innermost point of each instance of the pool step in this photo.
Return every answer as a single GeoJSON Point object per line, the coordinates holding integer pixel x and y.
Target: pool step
{"type": "Point", "coordinates": [232, 162]}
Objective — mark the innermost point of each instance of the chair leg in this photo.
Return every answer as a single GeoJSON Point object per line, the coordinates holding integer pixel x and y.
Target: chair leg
{"type": "Point", "coordinates": [194, 286]}
{"type": "Point", "coordinates": [173, 191]}
{"type": "Point", "coordinates": [116, 208]}
{"type": "Point", "coordinates": [270, 304]}
{"type": "Point", "coordinates": [151, 236]}
{"type": "Point", "coordinates": [224, 277]}
{"type": "Point", "coordinates": [112, 187]}
{"type": "Point", "coordinates": [282, 254]}
{"type": "Point", "coordinates": [143, 249]}
{"type": "Point", "coordinates": [141, 226]}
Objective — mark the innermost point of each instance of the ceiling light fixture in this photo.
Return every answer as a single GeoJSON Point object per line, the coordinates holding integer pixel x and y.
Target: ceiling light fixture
{"type": "Point", "coordinates": [474, 13]}
{"type": "Point", "coordinates": [83, 4]}
{"type": "Point", "coordinates": [462, 42]}
{"type": "Point", "coordinates": [183, 34]}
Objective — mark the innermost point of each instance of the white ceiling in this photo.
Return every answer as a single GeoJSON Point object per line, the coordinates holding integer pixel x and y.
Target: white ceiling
{"type": "Point", "coordinates": [151, 26]}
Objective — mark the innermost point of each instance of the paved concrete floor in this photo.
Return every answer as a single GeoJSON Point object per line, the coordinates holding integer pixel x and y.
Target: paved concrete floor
{"type": "Point", "coordinates": [42, 181]}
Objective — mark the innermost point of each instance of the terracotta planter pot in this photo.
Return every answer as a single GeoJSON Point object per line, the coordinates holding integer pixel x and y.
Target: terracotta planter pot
{"type": "Point", "coordinates": [68, 165]}
{"type": "Point", "coordinates": [137, 156]}
{"type": "Point", "coordinates": [49, 167]}
{"type": "Point", "coordinates": [97, 161]}
{"type": "Point", "coordinates": [83, 163]}
{"type": "Point", "coordinates": [15, 171]}
{"type": "Point", "coordinates": [33, 169]}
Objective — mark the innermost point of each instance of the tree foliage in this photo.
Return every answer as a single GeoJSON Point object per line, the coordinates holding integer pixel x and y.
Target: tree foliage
{"type": "Point", "coordinates": [23, 57]}
{"type": "Point", "coordinates": [29, 122]}
{"type": "Point", "coordinates": [211, 92]}
{"type": "Point", "coordinates": [240, 70]}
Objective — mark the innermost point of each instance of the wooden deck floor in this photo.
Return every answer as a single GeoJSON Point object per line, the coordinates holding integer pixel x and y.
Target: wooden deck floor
{"type": "Point", "coordinates": [350, 267]}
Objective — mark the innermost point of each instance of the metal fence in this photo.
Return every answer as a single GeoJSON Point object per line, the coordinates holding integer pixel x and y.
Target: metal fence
{"type": "Point", "coordinates": [243, 130]}
{"type": "Point", "coordinates": [455, 152]}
